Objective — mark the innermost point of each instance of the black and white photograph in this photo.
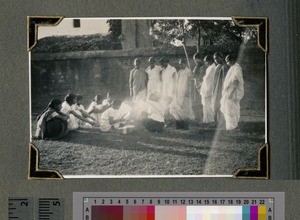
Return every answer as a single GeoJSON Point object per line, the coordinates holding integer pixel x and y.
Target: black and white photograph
{"type": "Point", "coordinates": [148, 97]}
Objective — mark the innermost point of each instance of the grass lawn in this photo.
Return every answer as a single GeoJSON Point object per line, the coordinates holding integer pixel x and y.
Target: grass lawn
{"type": "Point", "coordinates": [199, 150]}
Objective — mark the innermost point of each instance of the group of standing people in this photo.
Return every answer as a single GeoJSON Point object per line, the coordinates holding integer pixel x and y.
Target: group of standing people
{"type": "Point", "coordinates": [218, 80]}
{"type": "Point", "coordinates": [164, 84]}
{"type": "Point", "coordinates": [221, 87]}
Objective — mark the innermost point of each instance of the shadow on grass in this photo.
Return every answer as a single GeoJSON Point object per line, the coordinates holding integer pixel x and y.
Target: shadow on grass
{"type": "Point", "coordinates": [168, 142]}
{"type": "Point", "coordinates": [252, 127]}
{"type": "Point", "coordinates": [188, 143]}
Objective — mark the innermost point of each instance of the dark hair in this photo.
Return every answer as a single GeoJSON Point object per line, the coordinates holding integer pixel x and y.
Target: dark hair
{"type": "Point", "coordinates": [70, 97]}
{"type": "Point", "coordinates": [232, 57]}
{"type": "Point", "coordinates": [98, 98]}
{"type": "Point", "coordinates": [209, 58]}
{"type": "Point", "coordinates": [151, 58]}
{"type": "Point", "coordinates": [218, 54]}
{"type": "Point", "coordinates": [137, 60]}
{"type": "Point", "coordinates": [52, 104]}
{"type": "Point", "coordinates": [79, 97]}
{"type": "Point", "coordinates": [183, 61]}
{"type": "Point", "coordinates": [164, 60]}
{"type": "Point", "coordinates": [198, 56]}
{"type": "Point", "coordinates": [117, 102]}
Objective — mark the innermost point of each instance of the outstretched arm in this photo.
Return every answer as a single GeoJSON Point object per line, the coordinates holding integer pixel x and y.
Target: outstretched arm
{"type": "Point", "coordinates": [86, 115]}
{"type": "Point", "coordinates": [100, 110]}
{"type": "Point", "coordinates": [61, 117]}
{"type": "Point", "coordinates": [81, 118]}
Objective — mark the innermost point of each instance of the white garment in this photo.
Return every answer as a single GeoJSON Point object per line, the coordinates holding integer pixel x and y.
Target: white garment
{"type": "Point", "coordinates": [232, 93]}
{"type": "Point", "coordinates": [208, 113]}
{"type": "Point", "coordinates": [137, 81]}
{"type": "Point", "coordinates": [106, 102]}
{"type": "Point", "coordinates": [168, 81]}
{"type": "Point", "coordinates": [208, 80]}
{"type": "Point", "coordinates": [155, 111]}
{"type": "Point", "coordinates": [77, 109]}
{"type": "Point", "coordinates": [122, 114]}
{"type": "Point", "coordinates": [183, 96]}
{"type": "Point", "coordinates": [65, 108]}
{"type": "Point", "coordinates": [206, 92]}
{"type": "Point", "coordinates": [154, 82]}
{"type": "Point", "coordinates": [92, 106]}
{"type": "Point", "coordinates": [138, 108]}
{"type": "Point", "coordinates": [72, 121]}
{"type": "Point", "coordinates": [104, 122]}
{"type": "Point", "coordinates": [140, 96]}
{"type": "Point", "coordinates": [176, 111]}
{"type": "Point", "coordinates": [40, 121]}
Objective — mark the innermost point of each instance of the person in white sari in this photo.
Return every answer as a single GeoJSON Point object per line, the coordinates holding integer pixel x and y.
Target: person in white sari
{"type": "Point", "coordinates": [138, 81]}
{"type": "Point", "coordinates": [206, 90]}
{"type": "Point", "coordinates": [232, 93]}
{"type": "Point", "coordinates": [168, 78]}
{"type": "Point", "coordinates": [154, 79]}
{"type": "Point", "coordinates": [219, 77]}
{"type": "Point", "coordinates": [183, 96]}
{"type": "Point", "coordinates": [199, 73]}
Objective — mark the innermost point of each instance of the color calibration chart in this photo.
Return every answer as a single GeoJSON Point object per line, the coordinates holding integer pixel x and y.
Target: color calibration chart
{"type": "Point", "coordinates": [178, 206]}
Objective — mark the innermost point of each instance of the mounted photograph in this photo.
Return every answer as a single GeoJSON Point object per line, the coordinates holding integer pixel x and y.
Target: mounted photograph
{"type": "Point", "coordinates": [147, 97]}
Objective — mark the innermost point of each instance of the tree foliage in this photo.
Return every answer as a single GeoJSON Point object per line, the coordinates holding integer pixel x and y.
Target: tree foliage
{"type": "Point", "coordinates": [166, 31]}
{"type": "Point", "coordinates": [115, 28]}
{"type": "Point", "coordinates": [57, 44]}
{"type": "Point", "coordinates": [217, 32]}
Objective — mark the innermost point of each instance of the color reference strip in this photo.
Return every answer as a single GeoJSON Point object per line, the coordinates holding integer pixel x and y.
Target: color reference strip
{"type": "Point", "coordinates": [179, 212]}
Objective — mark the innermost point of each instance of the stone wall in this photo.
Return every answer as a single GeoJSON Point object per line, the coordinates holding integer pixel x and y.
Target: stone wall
{"type": "Point", "coordinates": [97, 72]}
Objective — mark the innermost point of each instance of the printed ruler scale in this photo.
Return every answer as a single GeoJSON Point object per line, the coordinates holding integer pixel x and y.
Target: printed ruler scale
{"type": "Point", "coordinates": [196, 206]}
{"type": "Point", "coordinates": [20, 208]}
{"type": "Point", "coordinates": [50, 209]}
{"type": "Point", "coordinates": [24, 208]}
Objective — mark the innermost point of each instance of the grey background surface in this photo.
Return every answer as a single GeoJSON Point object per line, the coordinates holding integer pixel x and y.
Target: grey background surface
{"type": "Point", "coordinates": [14, 93]}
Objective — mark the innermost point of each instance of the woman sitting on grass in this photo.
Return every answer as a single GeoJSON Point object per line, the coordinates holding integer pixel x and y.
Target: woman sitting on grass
{"type": "Point", "coordinates": [70, 100]}
{"type": "Point", "coordinates": [152, 116]}
{"type": "Point", "coordinates": [110, 118]}
{"type": "Point", "coordinates": [79, 109]}
{"type": "Point", "coordinates": [97, 107]}
{"type": "Point", "coordinates": [52, 124]}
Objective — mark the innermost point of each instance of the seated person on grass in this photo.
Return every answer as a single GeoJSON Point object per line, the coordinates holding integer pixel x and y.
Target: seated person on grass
{"type": "Point", "coordinates": [74, 117]}
{"type": "Point", "coordinates": [108, 99]}
{"type": "Point", "coordinates": [52, 124]}
{"type": "Point", "coordinates": [79, 109]}
{"type": "Point", "coordinates": [111, 118]}
{"type": "Point", "coordinates": [152, 118]}
{"type": "Point", "coordinates": [97, 107]}
{"type": "Point", "coordinates": [151, 113]}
